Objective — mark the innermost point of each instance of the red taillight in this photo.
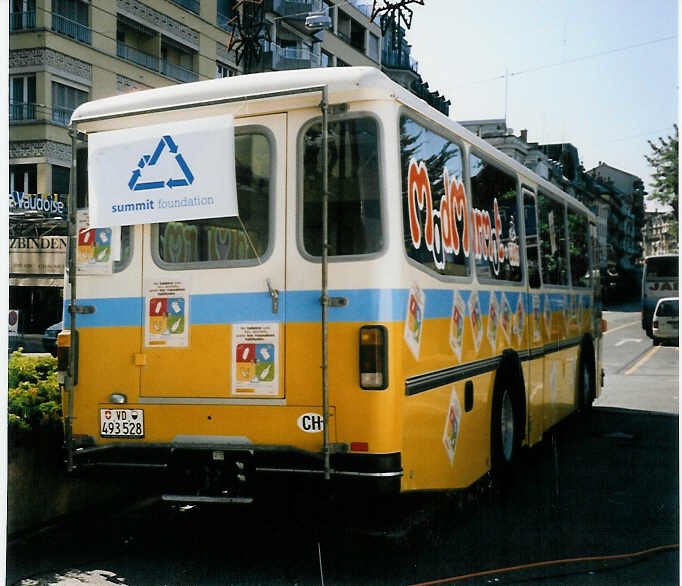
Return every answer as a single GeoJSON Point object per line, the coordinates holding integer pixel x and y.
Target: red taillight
{"type": "Point", "coordinates": [359, 447]}
{"type": "Point", "coordinates": [373, 358]}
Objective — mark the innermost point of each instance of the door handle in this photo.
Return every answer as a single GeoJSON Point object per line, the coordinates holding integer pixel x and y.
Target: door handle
{"type": "Point", "coordinates": [274, 294]}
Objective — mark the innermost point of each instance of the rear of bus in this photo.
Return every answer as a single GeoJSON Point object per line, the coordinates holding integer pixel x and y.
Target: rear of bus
{"type": "Point", "coordinates": [660, 279]}
{"type": "Point", "coordinates": [199, 345]}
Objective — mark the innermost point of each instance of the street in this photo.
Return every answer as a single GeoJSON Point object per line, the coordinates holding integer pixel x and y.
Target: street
{"type": "Point", "coordinates": [599, 491]}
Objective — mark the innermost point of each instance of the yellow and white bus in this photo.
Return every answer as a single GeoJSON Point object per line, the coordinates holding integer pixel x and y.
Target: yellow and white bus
{"type": "Point", "coordinates": [405, 317]}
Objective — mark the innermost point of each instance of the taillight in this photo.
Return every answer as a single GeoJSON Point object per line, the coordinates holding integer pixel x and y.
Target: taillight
{"type": "Point", "coordinates": [373, 357]}
{"type": "Point", "coordinates": [63, 346]}
{"type": "Point", "coordinates": [655, 324]}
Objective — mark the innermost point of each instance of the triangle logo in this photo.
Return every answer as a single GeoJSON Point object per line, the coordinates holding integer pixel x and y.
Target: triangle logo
{"type": "Point", "coordinates": [134, 184]}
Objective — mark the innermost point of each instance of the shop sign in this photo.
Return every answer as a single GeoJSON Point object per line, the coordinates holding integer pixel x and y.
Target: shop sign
{"type": "Point", "coordinates": [44, 255]}
{"type": "Point", "coordinates": [47, 203]}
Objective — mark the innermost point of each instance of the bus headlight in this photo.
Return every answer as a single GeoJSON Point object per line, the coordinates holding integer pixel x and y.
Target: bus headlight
{"type": "Point", "coordinates": [373, 358]}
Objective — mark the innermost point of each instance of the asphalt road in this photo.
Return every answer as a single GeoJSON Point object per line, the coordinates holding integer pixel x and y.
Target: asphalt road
{"type": "Point", "coordinates": [596, 488]}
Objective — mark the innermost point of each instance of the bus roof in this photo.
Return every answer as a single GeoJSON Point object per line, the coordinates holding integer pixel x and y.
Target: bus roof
{"type": "Point", "coordinates": [344, 84]}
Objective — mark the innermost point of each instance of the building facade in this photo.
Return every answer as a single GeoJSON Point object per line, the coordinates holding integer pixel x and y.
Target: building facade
{"type": "Point", "coordinates": [659, 235]}
{"type": "Point", "coordinates": [66, 52]}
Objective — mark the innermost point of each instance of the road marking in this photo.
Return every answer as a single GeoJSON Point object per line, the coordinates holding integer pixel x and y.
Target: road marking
{"type": "Point", "coordinates": [626, 340]}
{"type": "Point", "coordinates": [632, 323]}
{"type": "Point", "coordinates": [642, 360]}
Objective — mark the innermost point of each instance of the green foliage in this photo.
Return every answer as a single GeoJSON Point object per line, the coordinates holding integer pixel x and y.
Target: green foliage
{"type": "Point", "coordinates": [34, 398]}
{"type": "Point", "coordinates": [664, 161]}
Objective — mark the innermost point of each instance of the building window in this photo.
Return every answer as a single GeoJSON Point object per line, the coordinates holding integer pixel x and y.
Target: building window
{"type": "Point", "coordinates": [22, 15]}
{"type": "Point", "coordinates": [373, 49]}
{"type": "Point", "coordinates": [60, 180]}
{"type": "Point", "coordinates": [22, 91]}
{"type": "Point", "coordinates": [325, 59]}
{"type": "Point", "coordinates": [70, 18]}
{"type": "Point", "coordinates": [65, 99]}
{"type": "Point", "coordinates": [222, 70]}
{"type": "Point", "coordinates": [23, 178]}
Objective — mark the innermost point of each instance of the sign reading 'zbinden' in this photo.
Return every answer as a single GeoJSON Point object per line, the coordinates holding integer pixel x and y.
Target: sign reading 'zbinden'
{"type": "Point", "coordinates": [162, 173]}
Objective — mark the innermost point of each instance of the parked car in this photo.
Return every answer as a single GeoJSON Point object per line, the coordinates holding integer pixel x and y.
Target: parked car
{"type": "Point", "coordinates": [666, 320]}
{"type": "Point", "coordinates": [50, 337]}
{"type": "Point", "coordinates": [14, 342]}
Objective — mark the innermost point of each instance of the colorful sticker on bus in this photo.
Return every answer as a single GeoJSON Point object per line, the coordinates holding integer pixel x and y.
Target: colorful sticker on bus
{"type": "Point", "coordinates": [547, 316]}
{"type": "Point", "coordinates": [519, 319]}
{"type": "Point", "coordinates": [493, 320]}
{"type": "Point", "coordinates": [507, 318]}
{"type": "Point", "coordinates": [457, 324]}
{"type": "Point", "coordinates": [415, 319]}
{"type": "Point", "coordinates": [476, 319]}
{"type": "Point", "coordinates": [98, 248]}
{"type": "Point", "coordinates": [451, 430]}
{"type": "Point", "coordinates": [166, 313]}
{"type": "Point", "coordinates": [537, 333]}
{"type": "Point", "coordinates": [255, 364]}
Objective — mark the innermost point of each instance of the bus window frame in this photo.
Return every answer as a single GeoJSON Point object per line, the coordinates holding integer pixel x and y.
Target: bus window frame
{"type": "Point", "coordinates": [262, 130]}
{"type": "Point", "coordinates": [588, 240]}
{"type": "Point", "coordinates": [300, 171]}
{"type": "Point", "coordinates": [431, 126]}
{"type": "Point", "coordinates": [561, 200]}
{"type": "Point", "coordinates": [512, 173]}
{"type": "Point", "coordinates": [532, 191]}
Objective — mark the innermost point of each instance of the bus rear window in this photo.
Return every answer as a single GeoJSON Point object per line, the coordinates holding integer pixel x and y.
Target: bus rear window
{"type": "Point", "coordinates": [228, 240]}
{"type": "Point", "coordinates": [354, 189]}
{"type": "Point", "coordinates": [661, 268]}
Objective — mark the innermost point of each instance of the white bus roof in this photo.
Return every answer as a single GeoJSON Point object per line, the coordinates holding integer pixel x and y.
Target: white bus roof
{"type": "Point", "coordinates": [344, 84]}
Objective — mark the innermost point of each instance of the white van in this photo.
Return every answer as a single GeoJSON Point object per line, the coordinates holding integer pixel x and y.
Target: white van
{"type": "Point", "coordinates": [665, 324]}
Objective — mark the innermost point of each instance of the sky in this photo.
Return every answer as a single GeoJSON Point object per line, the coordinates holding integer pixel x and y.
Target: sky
{"type": "Point", "coordinates": [599, 74]}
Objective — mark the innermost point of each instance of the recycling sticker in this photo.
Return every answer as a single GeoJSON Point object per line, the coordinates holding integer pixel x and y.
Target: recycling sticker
{"type": "Point", "coordinates": [181, 170]}
{"type": "Point", "coordinates": [255, 359]}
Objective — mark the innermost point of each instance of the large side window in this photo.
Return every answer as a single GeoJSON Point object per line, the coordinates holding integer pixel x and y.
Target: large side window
{"type": "Point", "coordinates": [354, 188]}
{"type": "Point", "coordinates": [552, 241]}
{"type": "Point", "coordinates": [221, 240]}
{"type": "Point", "coordinates": [495, 222]}
{"type": "Point", "coordinates": [532, 243]}
{"type": "Point", "coordinates": [435, 211]}
{"type": "Point", "coordinates": [579, 252]}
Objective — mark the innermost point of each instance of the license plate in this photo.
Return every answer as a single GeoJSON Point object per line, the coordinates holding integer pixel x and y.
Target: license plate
{"type": "Point", "coordinates": [121, 422]}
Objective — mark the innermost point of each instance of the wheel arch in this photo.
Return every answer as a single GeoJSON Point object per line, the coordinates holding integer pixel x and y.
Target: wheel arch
{"type": "Point", "coordinates": [509, 369]}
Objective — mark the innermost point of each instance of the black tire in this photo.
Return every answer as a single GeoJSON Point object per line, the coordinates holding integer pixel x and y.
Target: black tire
{"type": "Point", "coordinates": [586, 382]}
{"type": "Point", "coordinates": [657, 341]}
{"type": "Point", "coordinates": [505, 433]}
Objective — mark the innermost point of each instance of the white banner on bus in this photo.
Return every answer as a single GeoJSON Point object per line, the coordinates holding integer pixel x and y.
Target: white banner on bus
{"type": "Point", "coordinates": [181, 170]}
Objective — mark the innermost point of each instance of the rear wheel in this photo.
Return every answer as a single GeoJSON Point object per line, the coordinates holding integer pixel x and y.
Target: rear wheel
{"type": "Point", "coordinates": [505, 434]}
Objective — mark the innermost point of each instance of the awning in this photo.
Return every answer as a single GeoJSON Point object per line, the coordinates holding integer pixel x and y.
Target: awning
{"type": "Point", "coordinates": [34, 281]}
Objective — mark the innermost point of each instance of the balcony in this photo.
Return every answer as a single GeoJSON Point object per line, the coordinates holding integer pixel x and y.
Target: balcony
{"type": "Point", "coordinates": [19, 111]}
{"type": "Point", "coordinates": [136, 56]}
{"type": "Point", "coordinates": [178, 72]}
{"type": "Point", "coordinates": [294, 11]}
{"type": "Point", "coordinates": [61, 115]}
{"type": "Point", "coordinates": [191, 5]}
{"type": "Point", "coordinates": [22, 20]}
{"type": "Point", "coordinates": [71, 29]}
{"type": "Point", "coordinates": [286, 58]}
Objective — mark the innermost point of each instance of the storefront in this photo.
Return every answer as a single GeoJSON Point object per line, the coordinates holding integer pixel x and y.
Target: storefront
{"type": "Point", "coordinates": [37, 255]}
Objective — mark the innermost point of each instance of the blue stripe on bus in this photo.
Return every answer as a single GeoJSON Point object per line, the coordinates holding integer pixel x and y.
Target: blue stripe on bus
{"type": "Point", "coordinates": [365, 305]}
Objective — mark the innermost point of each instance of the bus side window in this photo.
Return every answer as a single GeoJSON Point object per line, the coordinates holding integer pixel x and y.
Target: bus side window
{"type": "Point", "coordinates": [552, 241]}
{"type": "Point", "coordinates": [532, 245]}
{"type": "Point", "coordinates": [578, 249]}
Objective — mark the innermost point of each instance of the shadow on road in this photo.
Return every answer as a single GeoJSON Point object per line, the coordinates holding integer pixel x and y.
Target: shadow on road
{"type": "Point", "coordinates": [606, 485]}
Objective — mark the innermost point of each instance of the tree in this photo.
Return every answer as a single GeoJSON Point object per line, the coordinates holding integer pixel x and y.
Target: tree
{"type": "Point", "coordinates": [663, 160]}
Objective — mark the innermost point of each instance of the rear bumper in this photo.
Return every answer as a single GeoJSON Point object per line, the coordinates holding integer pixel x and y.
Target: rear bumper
{"type": "Point", "coordinates": [239, 470]}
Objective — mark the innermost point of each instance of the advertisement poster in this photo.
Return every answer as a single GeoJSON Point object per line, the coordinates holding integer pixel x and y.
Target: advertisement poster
{"type": "Point", "coordinates": [547, 316]}
{"type": "Point", "coordinates": [519, 319]}
{"type": "Point", "coordinates": [493, 320]}
{"type": "Point", "coordinates": [182, 170]}
{"type": "Point", "coordinates": [451, 430]}
{"type": "Point", "coordinates": [457, 325]}
{"type": "Point", "coordinates": [476, 319]}
{"type": "Point", "coordinates": [255, 359]}
{"type": "Point", "coordinates": [166, 314]}
{"type": "Point", "coordinates": [98, 248]}
{"type": "Point", "coordinates": [415, 319]}
{"type": "Point", "coordinates": [507, 318]}
{"type": "Point", "coordinates": [536, 318]}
